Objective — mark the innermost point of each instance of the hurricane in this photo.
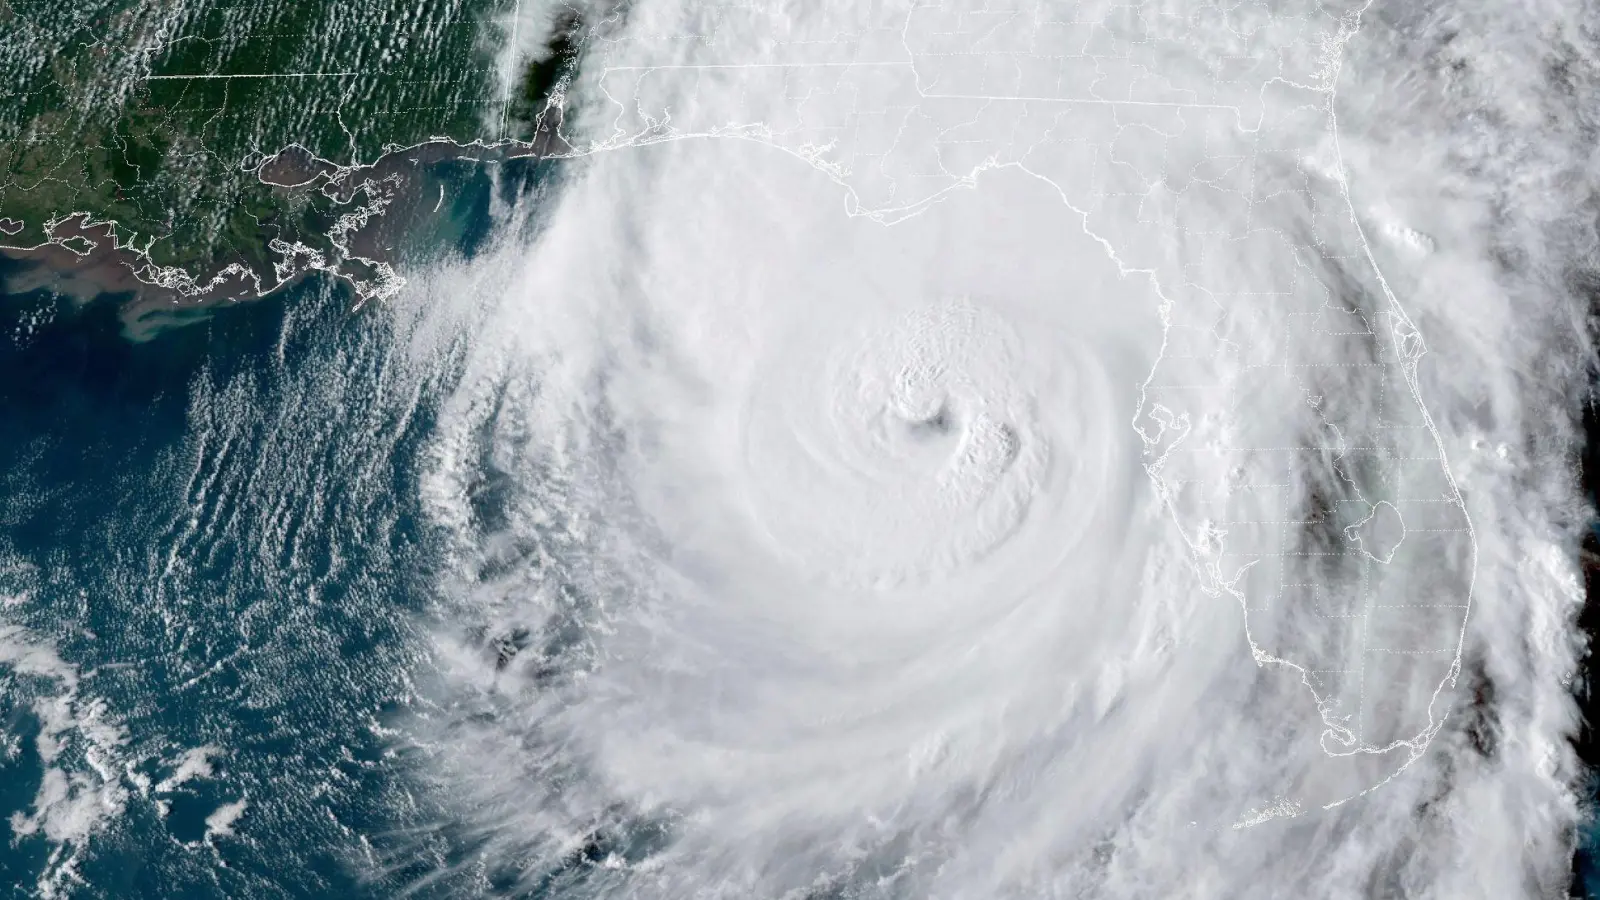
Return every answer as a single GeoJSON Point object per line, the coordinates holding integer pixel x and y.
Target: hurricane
{"type": "Point", "coordinates": [874, 451]}
{"type": "Point", "coordinates": [887, 470]}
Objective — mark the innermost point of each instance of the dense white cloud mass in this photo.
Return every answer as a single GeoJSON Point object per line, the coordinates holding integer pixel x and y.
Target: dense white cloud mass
{"type": "Point", "coordinates": [78, 744]}
{"type": "Point", "coordinates": [974, 452]}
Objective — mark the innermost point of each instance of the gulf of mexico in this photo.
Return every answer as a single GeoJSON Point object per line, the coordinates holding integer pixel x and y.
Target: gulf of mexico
{"type": "Point", "coordinates": [208, 602]}
{"type": "Point", "coordinates": [210, 571]}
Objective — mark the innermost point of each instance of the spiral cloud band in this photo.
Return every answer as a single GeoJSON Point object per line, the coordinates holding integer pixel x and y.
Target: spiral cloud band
{"type": "Point", "coordinates": [909, 463]}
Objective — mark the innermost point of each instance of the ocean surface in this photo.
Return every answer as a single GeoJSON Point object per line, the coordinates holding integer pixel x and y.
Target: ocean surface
{"type": "Point", "coordinates": [211, 569]}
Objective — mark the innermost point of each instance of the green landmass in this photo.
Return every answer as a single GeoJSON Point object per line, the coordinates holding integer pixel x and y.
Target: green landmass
{"type": "Point", "coordinates": [150, 114]}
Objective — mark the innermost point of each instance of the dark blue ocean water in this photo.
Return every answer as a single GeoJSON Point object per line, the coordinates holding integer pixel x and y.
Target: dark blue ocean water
{"type": "Point", "coordinates": [207, 596]}
{"type": "Point", "coordinates": [210, 550]}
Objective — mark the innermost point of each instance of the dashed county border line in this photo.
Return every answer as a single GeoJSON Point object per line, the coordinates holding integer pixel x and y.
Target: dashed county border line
{"type": "Point", "coordinates": [153, 123]}
{"type": "Point", "coordinates": [254, 75]}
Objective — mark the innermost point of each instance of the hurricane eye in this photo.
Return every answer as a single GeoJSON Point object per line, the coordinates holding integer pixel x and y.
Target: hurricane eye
{"type": "Point", "coordinates": [938, 425]}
